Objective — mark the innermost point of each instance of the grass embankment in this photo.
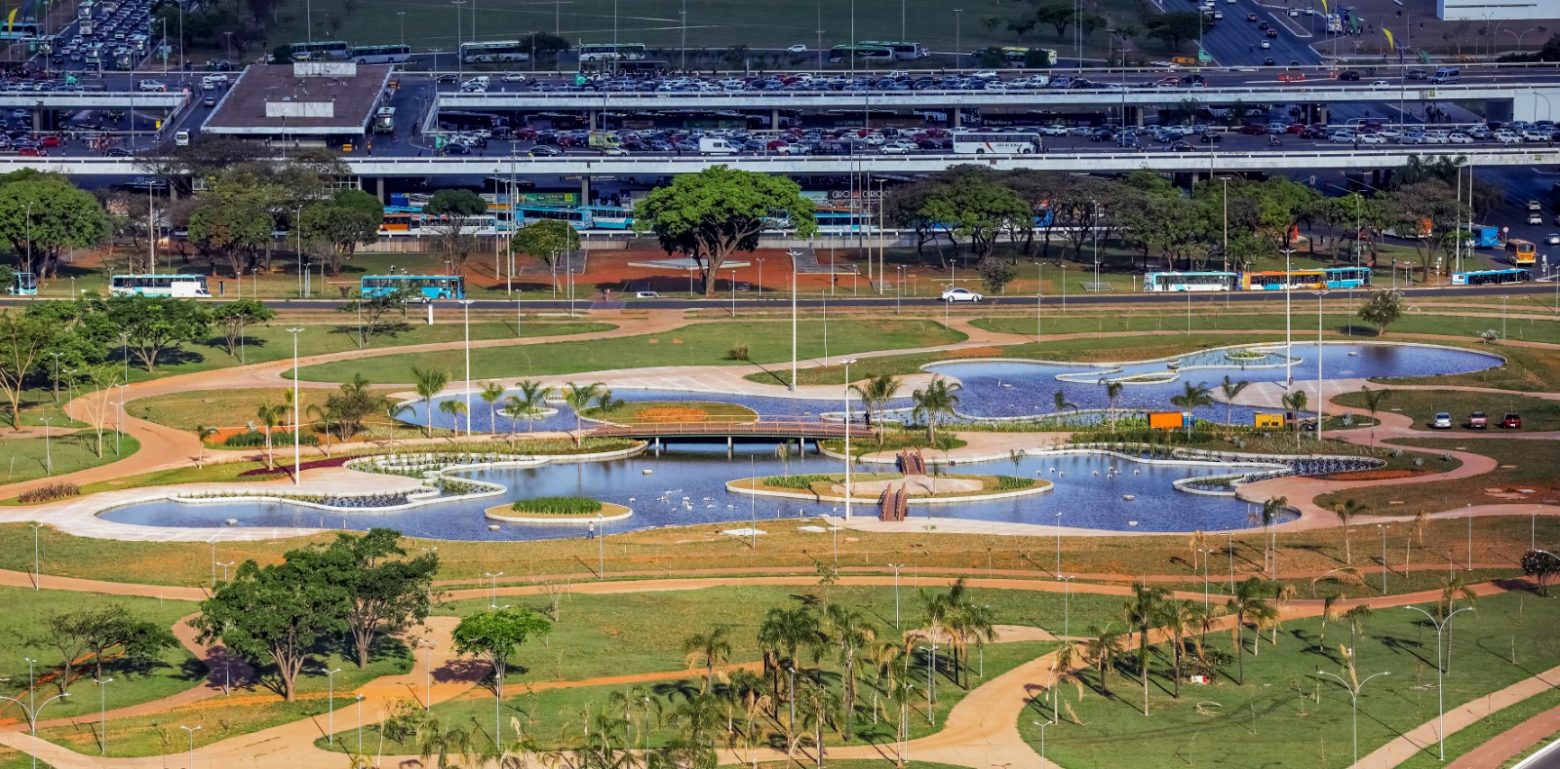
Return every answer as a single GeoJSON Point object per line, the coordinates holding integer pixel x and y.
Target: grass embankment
{"type": "Point", "coordinates": [652, 412]}
{"type": "Point", "coordinates": [1210, 314]}
{"type": "Point", "coordinates": [680, 550]}
{"type": "Point", "coordinates": [894, 439]}
{"type": "Point", "coordinates": [702, 344]}
{"type": "Point", "coordinates": [1296, 718]}
{"type": "Point", "coordinates": [832, 485]}
{"type": "Point", "coordinates": [233, 411]}
{"type": "Point", "coordinates": [28, 459]}
{"type": "Point", "coordinates": [1526, 370]}
{"type": "Point", "coordinates": [1537, 413]}
{"type": "Point", "coordinates": [26, 613]}
{"type": "Point", "coordinates": [1522, 465]}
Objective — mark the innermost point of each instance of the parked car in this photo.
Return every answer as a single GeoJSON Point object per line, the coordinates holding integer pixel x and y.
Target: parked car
{"type": "Point", "coordinates": [1478, 421]}
{"type": "Point", "coordinates": [1441, 421]}
{"type": "Point", "coordinates": [1512, 421]}
{"type": "Point", "coordinates": [960, 295]}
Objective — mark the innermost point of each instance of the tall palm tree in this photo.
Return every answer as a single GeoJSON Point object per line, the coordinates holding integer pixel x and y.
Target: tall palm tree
{"type": "Point", "coordinates": [712, 649]}
{"type": "Point", "coordinates": [326, 414]}
{"type": "Point", "coordinates": [820, 712]}
{"type": "Point", "coordinates": [429, 384]}
{"type": "Point", "coordinates": [271, 414]}
{"type": "Point", "coordinates": [1142, 612]}
{"type": "Point", "coordinates": [533, 397]}
{"type": "Point", "coordinates": [447, 746]}
{"type": "Point", "coordinates": [1059, 400]}
{"type": "Point", "coordinates": [1329, 612]}
{"type": "Point", "coordinates": [1271, 510]}
{"type": "Point", "coordinates": [1249, 601]}
{"type": "Point", "coordinates": [783, 634]}
{"type": "Point", "coordinates": [851, 633]}
{"type": "Point", "coordinates": [1112, 392]}
{"type": "Point", "coordinates": [1452, 589]}
{"type": "Point", "coordinates": [1373, 401]}
{"type": "Point", "coordinates": [886, 657]}
{"type": "Point", "coordinates": [490, 394]}
{"type": "Point", "coordinates": [1356, 617]}
{"type": "Point", "coordinates": [202, 432]}
{"type": "Point", "coordinates": [1231, 390]}
{"type": "Point", "coordinates": [456, 409]}
{"type": "Point", "coordinates": [581, 397]}
{"type": "Point", "coordinates": [1295, 402]}
{"type": "Point", "coordinates": [1178, 617]}
{"type": "Point", "coordinates": [1102, 647]}
{"type": "Point", "coordinates": [971, 622]}
{"type": "Point", "coordinates": [1346, 511]}
{"type": "Point", "coordinates": [938, 399]}
{"type": "Point", "coordinates": [875, 393]}
{"type": "Point", "coordinates": [1192, 396]}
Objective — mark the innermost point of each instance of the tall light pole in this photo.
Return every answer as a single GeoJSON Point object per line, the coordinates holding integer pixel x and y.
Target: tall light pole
{"type": "Point", "coordinates": [601, 546]}
{"type": "Point", "coordinates": [1043, 725]}
{"type": "Point", "coordinates": [102, 714]}
{"type": "Point", "coordinates": [1289, 340]}
{"type": "Point", "coordinates": [359, 700]}
{"type": "Point", "coordinates": [190, 764]}
{"type": "Point", "coordinates": [1321, 399]}
{"type": "Point", "coordinates": [1067, 605]}
{"type": "Point", "coordinates": [1058, 544]}
{"type": "Point", "coordinates": [1384, 569]}
{"type": "Point", "coordinates": [297, 414]}
{"type": "Point", "coordinates": [465, 306]}
{"type": "Point", "coordinates": [1039, 298]}
{"type": "Point", "coordinates": [682, 47]}
{"type": "Point", "coordinates": [1440, 670]}
{"type": "Point", "coordinates": [896, 567]}
{"type": "Point", "coordinates": [848, 457]}
{"type": "Point", "coordinates": [31, 711]}
{"type": "Point", "coordinates": [330, 705]}
{"type": "Point", "coordinates": [460, 61]}
{"type": "Point", "coordinates": [1354, 700]}
{"type": "Point", "coordinates": [38, 565]}
{"type": "Point", "coordinates": [493, 592]}
{"type": "Point", "coordinates": [402, 15]}
{"type": "Point", "coordinates": [48, 451]}
{"type": "Point", "coordinates": [793, 320]}
{"type": "Point", "coordinates": [427, 645]}
{"type": "Point", "coordinates": [958, 38]}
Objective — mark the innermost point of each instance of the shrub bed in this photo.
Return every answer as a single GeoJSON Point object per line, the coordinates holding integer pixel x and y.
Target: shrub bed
{"type": "Point", "coordinates": [557, 506]}
{"type": "Point", "coordinates": [257, 439]}
{"type": "Point", "coordinates": [48, 493]}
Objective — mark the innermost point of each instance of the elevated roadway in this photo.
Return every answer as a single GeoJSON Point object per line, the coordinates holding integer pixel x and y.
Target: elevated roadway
{"type": "Point", "coordinates": [74, 100]}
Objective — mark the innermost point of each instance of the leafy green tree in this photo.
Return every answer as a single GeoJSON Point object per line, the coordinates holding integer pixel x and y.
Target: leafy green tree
{"type": "Point", "coordinates": [495, 635]}
{"type": "Point", "coordinates": [156, 327]}
{"type": "Point", "coordinates": [545, 239]}
{"type": "Point", "coordinates": [236, 218]}
{"type": "Point", "coordinates": [349, 218]}
{"type": "Point", "coordinates": [235, 316]}
{"type": "Point", "coordinates": [1382, 309]}
{"type": "Point", "coordinates": [718, 211]}
{"type": "Point", "coordinates": [1174, 28]}
{"type": "Point", "coordinates": [42, 215]}
{"type": "Point", "coordinates": [456, 238]}
{"type": "Point", "coordinates": [386, 593]}
{"type": "Point", "coordinates": [275, 615]}
{"type": "Point", "coordinates": [1542, 566]}
{"type": "Point", "coordinates": [352, 404]}
{"type": "Point", "coordinates": [975, 203]}
{"type": "Point", "coordinates": [938, 399]}
{"type": "Point", "coordinates": [105, 637]}
{"type": "Point", "coordinates": [371, 312]}
{"type": "Point", "coordinates": [23, 339]}
{"type": "Point", "coordinates": [996, 273]}
{"type": "Point", "coordinates": [1418, 212]}
{"type": "Point", "coordinates": [1058, 15]}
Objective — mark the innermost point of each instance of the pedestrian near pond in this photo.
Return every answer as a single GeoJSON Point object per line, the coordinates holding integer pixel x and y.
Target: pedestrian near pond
{"type": "Point", "coordinates": [590, 530]}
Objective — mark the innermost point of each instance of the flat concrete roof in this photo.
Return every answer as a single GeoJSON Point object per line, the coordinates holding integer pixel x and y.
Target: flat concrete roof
{"type": "Point", "coordinates": [242, 109]}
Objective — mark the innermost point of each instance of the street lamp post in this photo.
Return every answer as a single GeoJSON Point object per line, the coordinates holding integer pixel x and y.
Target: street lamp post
{"type": "Point", "coordinates": [191, 732]}
{"type": "Point", "coordinates": [1043, 725]}
{"type": "Point", "coordinates": [330, 705]}
{"type": "Point", "coordinates": [1321, 399]}
{"type": "Point", "coordinates": [896, 567]}
{"type": "Point", "coordinates": [1440, 670]}
{"type": "Point", "coordinates": [31, 711]}
{"type": "Point", "coordinates": [1067, 605]}
{"type": "Point", "coordinates": [38, 567]}
{"type": "Point", "coordinates": [1289, 340]}
{"type": "Point", "coordinates": [48, 452]}
{"type": "Point", "coordinates": [958, 38]}
{"type": "Point", "coordinates": [1058, 544]}
{"type": "Point", "coordinates": [465, 306]}
{"type": "Point", "coordinates": [297, 414]}
{"type": "Point", "coordinates": [102, 713]}
{"type": "Point", "coordinates": [460, 61]}
{"type": "Point", "coordinates": [359, 699]}
{"type": "Point", "coordinates": [427, 644]}
{"type": "Point", "coordinates": [1354, 700]}
{"type": "Point", "coordinates": [493, 592]}
{"type": "Point", "coordinates": [1384, 569]}
{"type": "Point", "coordinates": [601, 546]}
{"type": "Point", "coordinates": [848, 458]}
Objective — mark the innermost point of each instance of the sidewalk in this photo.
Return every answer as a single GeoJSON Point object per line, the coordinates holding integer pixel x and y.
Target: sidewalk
{"type": "Point", "coordinates": [1423, 737]}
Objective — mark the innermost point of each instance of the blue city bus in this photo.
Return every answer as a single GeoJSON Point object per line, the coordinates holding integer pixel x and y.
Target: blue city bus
{"type": "Point", "coordinates": [23, 284]}
{"type": "Point", "coordinates": [1490, 277]}
{"type": "Point", "coordinates": [424, 287]}
{"type": "Point", "coordinates": [578, 218]}
{"type": "Point", "coordinates": [1189, 281]}
{"type": "Point", "coordinates": [1484, 235]}
{"type": "Point", "coordinates": [1346, 277]}
{"type": "Point", "coordinates": [610, 217]}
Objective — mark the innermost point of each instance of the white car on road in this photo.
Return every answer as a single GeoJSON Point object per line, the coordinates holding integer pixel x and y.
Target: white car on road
{"type": "Point", "coordinates": [1372, 139]}
{"type": "Point", "coordinates": [151, 85]}
{"type": "Point", "coordinates": [961, 295]}
{"type": "Point", "coordinates": [1507, 137]}
{"type": "Point", "coordinates": [798, 48]}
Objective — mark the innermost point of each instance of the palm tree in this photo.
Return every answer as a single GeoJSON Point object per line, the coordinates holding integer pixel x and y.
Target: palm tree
{"type": "Point", "coordinates": [1178, 617]}
{"type": "Point", "coordinates": [875, 393]}
{"type": "Point", "coordinates": [1142, 612]}
{"type": "Point", "coordinates": [713, 649]}
{"type": "Point", "coordinates": [447, 746]}
{"type": "Point", "coordinates": [429, 384]}
{"type": "Point", "coordinates": [971, 621]}
{"type": "Point", "coordinates": [1329, 612]}
{"type": "Point", "coordinates": [820, 711]}
{"type": "Point", "coordinates": [1373, 401]}
{"type": "Point", "coordinates": [1271, 510]}
{"type": "Point", "coordinates": [326, 414]}
{"type": "Point", "coordinates": [455, 408]}
{"type": "Point", "coordinates": [938, 399]}
{"type": "Point", "coordinates": [1356, 617]}
{"type": "Point", "coordinates": [783, 634]}
{"type": "Point", "coordinates": [1192, 396]}
{"type": "Point", "coordinates": [1346, 511]}
{"type": "Point", "coordinates": [886, 657]}
{"type": "Point", "coordinates": [271, 414]}
{"type": "Point", "coordinates": [490, 393]}
{"type": "Point", "coordinates": [1295, 402]}
{"type": "Point", "coordinates": [1231, 390]}
{"type": "Point", "coordinates": [533, 398]}
{"type": "Point", "coordinates": [579, 398]}
{"type": "Point", "coordinates": [1452, 589]}
{"type": "Point", "coordinates": [1059, 400]}
{"type": "Point", "coordinates": [202, 432]}
{"type": "Point", "coordinates": [1102, 647]}
{"type": "Point", "coordinates": [1112, 392]}
{"type": "Point", "coordinates": [1249, 601]}
{"type": "Point", "coordinates": [851, 633]}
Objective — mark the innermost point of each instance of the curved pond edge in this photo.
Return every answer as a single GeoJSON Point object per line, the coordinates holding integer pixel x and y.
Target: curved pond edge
{"type": "Point", "coordinates": [1041, 486]}
{"type": "Point", "coordinates": [609, 512]}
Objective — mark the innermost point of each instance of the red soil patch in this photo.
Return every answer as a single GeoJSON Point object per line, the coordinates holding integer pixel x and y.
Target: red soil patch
{"type": "Point", "coordinates": [1374, 475]}
{"type": "Point", "coordinates": [286, 469]}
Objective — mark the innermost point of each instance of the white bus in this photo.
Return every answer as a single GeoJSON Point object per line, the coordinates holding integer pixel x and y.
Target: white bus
{"type": "Point", "coordinates": [380, 54]}
{"type": "Point", "coordinates": [611, 52]}
{"type": "Point", "coordinates": [995, 143]}
{"type": "Point", "coordinates": [178, 286]}
{"type": "Point", "coordinates": [902, 51]}
{"type": "Point", "coordinates": [494, 52]}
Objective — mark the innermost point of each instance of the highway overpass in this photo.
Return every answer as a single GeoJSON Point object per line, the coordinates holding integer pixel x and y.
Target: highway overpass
{"type": "Point", "coordinates": [1344, 158]}
{"type": "Point", "coordinates": [75, 100]}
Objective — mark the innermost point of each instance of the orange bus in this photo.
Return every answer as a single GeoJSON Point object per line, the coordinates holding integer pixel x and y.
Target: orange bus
{"type": "Point", "coordinates": [1522, 251]}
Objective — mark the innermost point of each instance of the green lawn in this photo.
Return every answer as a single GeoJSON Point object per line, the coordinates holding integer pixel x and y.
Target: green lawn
{"type": "Point", "coordinates": [1208, 314]}
{"type": "Point", "coordinates": [1472, 736]}
{"type": "Point", "coordinates": [27, 459]}
{"type": "Point", "coordinates": [1538, 414]}
{"type": "Point", "coordinates": [237, 407]}
{"type": "Point", "coordinates": [1278, 708]}
{"type": "Point", "coordinates": [1526, 370]}
{"type": "Point", "coordinates": [641, 412]}
{"type": "Point", "coordinates": [26, 636]}
{"type": "Point", "coordinates": [767, 342]}
{"type": "Point", "coordinates": [1523, 465]}
{"type": "Point", "coordinates": [246, 710]}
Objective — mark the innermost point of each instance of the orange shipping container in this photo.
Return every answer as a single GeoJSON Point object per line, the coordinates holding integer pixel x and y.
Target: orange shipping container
{"type": "Point", "coordinates": [1165, 420]}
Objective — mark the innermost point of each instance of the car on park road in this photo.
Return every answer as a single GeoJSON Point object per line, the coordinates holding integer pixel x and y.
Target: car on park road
{"type": "Point", "coordinates": [544, 151]}
{"type": "Point", "coordinates": [798, 48]}
{"type": "Point", "coordinates": [1441, 421]}
{"type": "Point", "coordinates": [1512, 421]}
{"type": "Point", "coordinates": [1552, 238]}
{"type": "Point", "coordinates": [960, 295]}
{"type": "Point", "coordinates": [151, 85]}
{"type": "Point", "coordinates": [1379, 83]}
{"type": "Point", "coordinates": [1478, 421]}
{"type": "Point", "coordinates": [513, 77]}
{"type": "Point", "coordinates": [1264, 45]}
{"type": "Point", "coordinates": [1372, 139]}
{"type": "Point", "coordinates": [1535, 218]}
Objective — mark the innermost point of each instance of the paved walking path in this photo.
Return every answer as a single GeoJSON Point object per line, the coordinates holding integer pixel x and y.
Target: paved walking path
{"type": "Point", "coordinates": [1423, 737]}
{"type": "Point", "coordinates": [1512, 742]}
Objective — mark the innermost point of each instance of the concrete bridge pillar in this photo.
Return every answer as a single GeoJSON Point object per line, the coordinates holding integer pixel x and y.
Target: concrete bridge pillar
{"type": "Point", "coordinates": [584, 190]}
{"type": "Point", "coordinates": [379, 188]}
{"type": "Point", "coordinates": [593, 116]}
{"type": "Point", "coordinates": [774, 119]}
{"type": "Point", "coordinates": [957, 117]}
